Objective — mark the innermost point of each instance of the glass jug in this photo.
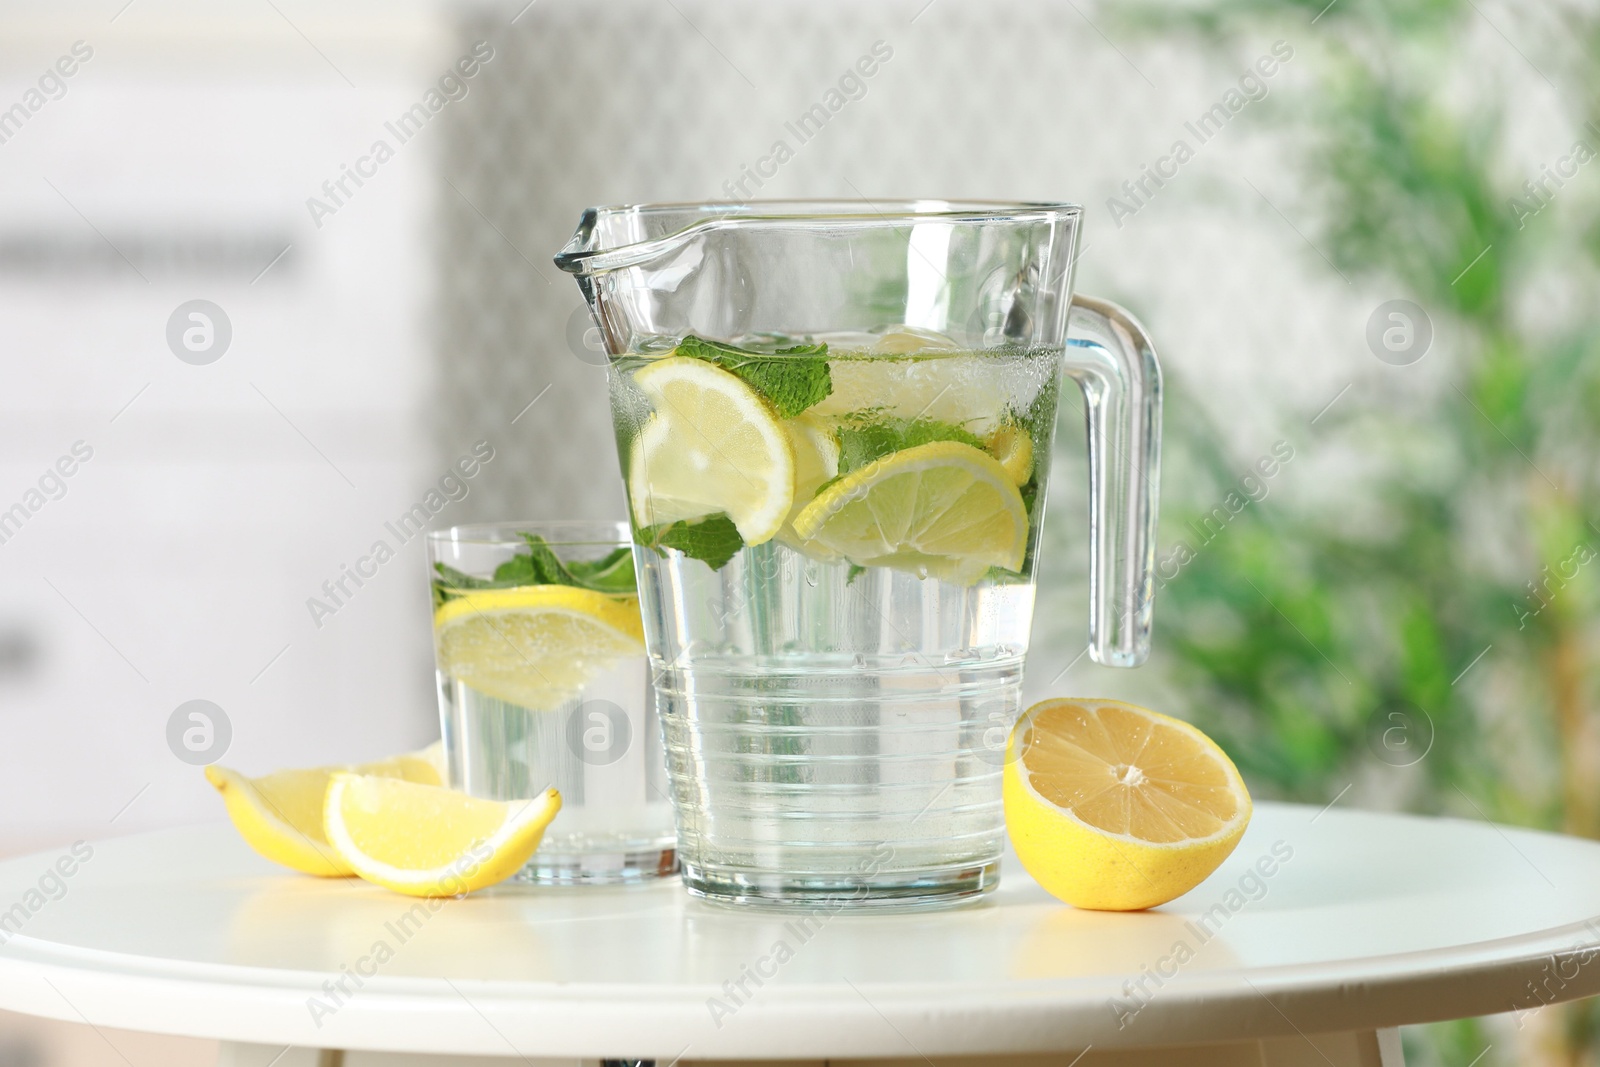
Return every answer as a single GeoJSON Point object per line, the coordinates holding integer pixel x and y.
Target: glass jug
{"type": "Point", "coordinates": [834, 421]}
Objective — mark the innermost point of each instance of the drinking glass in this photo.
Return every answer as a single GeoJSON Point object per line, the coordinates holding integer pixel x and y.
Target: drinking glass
{"type": "Point", "coordinates": [835, 424]}
{"type": "Point", "coordinates": [542, 682]}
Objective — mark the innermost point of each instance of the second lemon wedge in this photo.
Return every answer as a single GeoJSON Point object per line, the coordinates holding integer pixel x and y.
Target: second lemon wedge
{"type": "Point", "coordinates": [426, 841]}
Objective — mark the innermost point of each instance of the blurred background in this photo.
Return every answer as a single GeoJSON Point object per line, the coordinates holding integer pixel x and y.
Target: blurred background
{"type": "Point", "coordinates": [1369, 269]}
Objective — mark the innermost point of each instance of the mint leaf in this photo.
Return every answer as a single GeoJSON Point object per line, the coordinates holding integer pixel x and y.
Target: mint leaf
{"type": "Point", "coordinates": [541, 565]}
{"type": "Point", "coordinates": [537, 564]}
{"type": "Point", "coordinates": [1039, 419]}
{"type": "Point", "coordinates": [712, 540]}
{"type": "Point", "coordinates": [612, 573]}
{"type": "Point", "coordinates": [449, 576]}
{"type": "Point", "coordinates": [793, 378]}
{"type": "Point", "coordinates": [518, 570]}
{"type": "Point", "coordinates": [859, 445]}
{"type": "Point", "coordinates": [451, 581]}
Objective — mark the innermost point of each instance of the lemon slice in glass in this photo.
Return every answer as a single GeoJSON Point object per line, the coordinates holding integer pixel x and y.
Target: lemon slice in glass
{"type": "Point", "coordinates": [280, 814]}
{"type": "Point", "coordinates": [944, 509]}
{"type": "Point", "coordinates": [427, 841]}
{"type": "Point", "coordinates": [534, 645]}
{"type": "Point", "coordinates": [1114, 807]}
{"type": "Point", "coordinates": [713, 444]}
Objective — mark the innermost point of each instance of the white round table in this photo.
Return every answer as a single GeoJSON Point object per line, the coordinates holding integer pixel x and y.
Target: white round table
{"type": "Point", "coordinates": [1324, 931]}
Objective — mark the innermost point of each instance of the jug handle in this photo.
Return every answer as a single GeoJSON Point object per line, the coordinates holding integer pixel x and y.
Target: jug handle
{"type": "Point", "coordinates": [1110, 357]}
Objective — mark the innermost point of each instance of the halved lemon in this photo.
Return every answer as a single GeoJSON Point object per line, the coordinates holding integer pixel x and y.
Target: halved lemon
{"type": "Point", "coordinates": [427, 841]}
{"type": "Point", "coordinates": [535, 645]}
{"type": "Point", "coordinates": [280, 814]}
{"type": "Point", "coordinates": [713, 444]}
{"type": "Point", "coordinates": [945, 510]}
{"type": "Point", "coordinates": [1013, 448]}
{"type": "Point", "coordinates": [1117, 808]}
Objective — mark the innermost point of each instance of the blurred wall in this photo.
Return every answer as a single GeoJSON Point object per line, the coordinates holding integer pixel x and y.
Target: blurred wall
{"type": "Point", "coordinates": [218, 493]}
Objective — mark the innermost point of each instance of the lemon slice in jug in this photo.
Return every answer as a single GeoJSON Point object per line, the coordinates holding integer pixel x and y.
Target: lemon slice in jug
{"type": "Point", "coordinates": [944, 510]}
{"type": "Point", "coordinates": [713, 444]}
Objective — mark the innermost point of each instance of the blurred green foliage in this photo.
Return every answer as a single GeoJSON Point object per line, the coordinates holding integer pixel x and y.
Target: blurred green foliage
{"type": "Point", "coordinates": [1424, 629]}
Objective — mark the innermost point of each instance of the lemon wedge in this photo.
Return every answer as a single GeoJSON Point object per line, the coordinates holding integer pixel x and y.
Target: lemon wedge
{"type": "Point", "coordinates": [280, 815]}
{"type": "Point", "coordinates": [713, 444]}
{"type": "Point", "coordinates": [426, 841]}
{"type": "Point", "coordinates": [535, 645]}
{"type": "Point", "coordinates": [944, 509]}
{"type": "Point", "coordinates": [1117, 808]}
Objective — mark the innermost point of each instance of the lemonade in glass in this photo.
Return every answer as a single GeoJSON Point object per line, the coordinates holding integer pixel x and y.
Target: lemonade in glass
{"type": "Point", "coordinates": [542, 682]}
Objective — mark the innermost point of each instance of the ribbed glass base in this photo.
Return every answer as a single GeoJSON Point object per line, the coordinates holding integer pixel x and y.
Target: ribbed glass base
{"type": "Point", "coordinates": [902, 890]}
{"type": "Point", "coordinates": [599, 868]}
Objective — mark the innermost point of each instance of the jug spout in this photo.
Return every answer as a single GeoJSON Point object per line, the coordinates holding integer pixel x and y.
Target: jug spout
{"type": "Point", "coordinates": [609, 238]}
